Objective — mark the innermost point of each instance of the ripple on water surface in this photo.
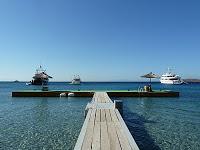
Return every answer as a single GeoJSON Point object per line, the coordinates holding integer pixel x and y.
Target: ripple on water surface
{"type": "Point", "coordinates": [45, 123]}
{"type": "Point", "coordinates": [168, 123]}
{"type": "Point", "coordinates": [53, 123]}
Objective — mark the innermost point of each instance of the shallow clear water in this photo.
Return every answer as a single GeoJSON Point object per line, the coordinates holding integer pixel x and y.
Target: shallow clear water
{"type": "Point", "coordinates": [54, 123]}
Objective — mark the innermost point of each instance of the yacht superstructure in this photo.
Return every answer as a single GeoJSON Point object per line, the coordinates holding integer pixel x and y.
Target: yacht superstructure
{"type": "Point", "coordinates": [76, 80]}
{"type": "Point", "coordinates": [171, 78]}
{"type": "Point", "coordinates": [40, 77]}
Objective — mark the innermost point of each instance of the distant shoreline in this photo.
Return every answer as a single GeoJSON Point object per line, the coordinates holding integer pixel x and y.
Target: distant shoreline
{"type": "Point", "coordinates": [192, 80]}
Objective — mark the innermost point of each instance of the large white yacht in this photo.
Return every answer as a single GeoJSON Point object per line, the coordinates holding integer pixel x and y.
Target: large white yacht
{"type": "Point", "coordinates": [76, 80]}
{"type": "Point", "coordinates": [171, 78]}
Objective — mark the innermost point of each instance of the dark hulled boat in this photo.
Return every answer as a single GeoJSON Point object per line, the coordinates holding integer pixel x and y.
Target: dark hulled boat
{"type": "Point", "coordinates": [40, 77]}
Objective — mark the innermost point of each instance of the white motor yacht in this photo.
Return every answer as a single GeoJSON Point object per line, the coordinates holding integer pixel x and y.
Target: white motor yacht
{"type": "Point", "coordinates": [76, 80]}
{"type": "Point", "coordinates": [171, 78]}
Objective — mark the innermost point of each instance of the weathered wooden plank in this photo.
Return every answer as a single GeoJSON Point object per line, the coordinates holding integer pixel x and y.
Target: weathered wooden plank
{"type": "Point", "coordinates": [113, 138]}
{"type": "Point", "coordinates": [113, 115]}
{"type": "Point", "coordinates": [96, 141]}
{"type": "Point", "coordinates": [124, 143]}
{"type": "Point", "coordinates": [83, 132]}
{"type": "Point", "coordinates": [93, 115]}
{"type": "Point", "coordinates": [126, 131]}
{"type": "Point", "coordinates": [105, 142]}
{"type": "Point", "coordinates": [108, 117]}
{"type": "Point", "coordinates": [122, 138]}
{"type": "Point", "coordinates": [87, 143]}
{"type": "Point", "coordinates": [98, 115]}
{"type": "Point", "coordinates": [103, 115]}
{"type": "Point", "coordinates": [104, 98]}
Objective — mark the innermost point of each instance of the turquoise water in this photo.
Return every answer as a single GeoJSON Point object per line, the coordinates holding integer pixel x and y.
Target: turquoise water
{"type": "Point", "coordinates": [54, 123]}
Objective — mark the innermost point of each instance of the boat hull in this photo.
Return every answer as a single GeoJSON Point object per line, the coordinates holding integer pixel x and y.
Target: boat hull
{"type": "Point", "coordinates": [39, 82]}
{"type": "Point", "coordinates": [177, 82]}
{"type": "Point", "coordinates": [76, 82]}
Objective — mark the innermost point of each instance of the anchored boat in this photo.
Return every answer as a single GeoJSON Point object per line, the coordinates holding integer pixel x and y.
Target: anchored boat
{"type": "Point", "coordinates": [40, 77]}
{"type": "Point", "coordinates": [76, 80]}
{"type": "Point", "coordinates": [171, 78]}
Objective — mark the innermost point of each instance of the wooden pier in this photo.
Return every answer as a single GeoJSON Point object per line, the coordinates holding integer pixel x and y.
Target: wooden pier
{"type": "Point", "coordinates": [104, 128]}
{"type": "Point", "coordinates": [90, 93]}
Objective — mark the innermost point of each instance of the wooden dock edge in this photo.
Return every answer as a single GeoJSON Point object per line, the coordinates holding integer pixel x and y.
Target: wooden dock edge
{"type": "Point", "coordinates": [126, 130]}
{"type": "Point", "coordinates": [90, 94]}
{"type": "Point", "coordinates": [83, 132]}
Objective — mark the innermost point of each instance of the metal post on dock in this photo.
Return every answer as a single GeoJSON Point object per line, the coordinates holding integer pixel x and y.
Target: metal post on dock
{"type": "Point", "coordinates": [118, 104]}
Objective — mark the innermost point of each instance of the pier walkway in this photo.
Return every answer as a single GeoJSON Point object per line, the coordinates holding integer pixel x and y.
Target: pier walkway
{"type": "Point", "coordinates": [104, 128]}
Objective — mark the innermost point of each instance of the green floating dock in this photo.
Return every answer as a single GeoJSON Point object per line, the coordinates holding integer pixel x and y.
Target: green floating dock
{"type": "Point", "coordinates": [113, 93]}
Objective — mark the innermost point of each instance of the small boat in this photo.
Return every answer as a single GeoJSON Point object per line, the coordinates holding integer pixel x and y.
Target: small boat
{"type": "Point", "coordinates": [40, 77]}
{"type": "Point", "coordinates": [76, 80]}
{"type": "Point", "coordinates": [71, 94]}
{"type": "Point", "coordinates": [62, 94]}
{"type": "Point", "coordinates": [29, 83]}
{"type": "Point", "coordinates": [171, 78]}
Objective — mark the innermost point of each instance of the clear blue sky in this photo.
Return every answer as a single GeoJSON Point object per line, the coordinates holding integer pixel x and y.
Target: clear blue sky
{"type": "Point", "coordinates": [101, 40]}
